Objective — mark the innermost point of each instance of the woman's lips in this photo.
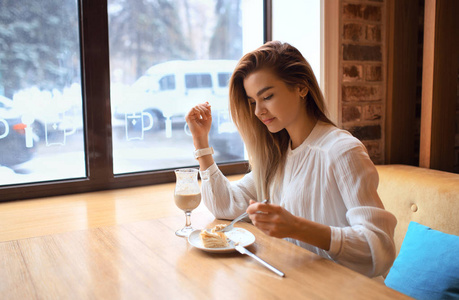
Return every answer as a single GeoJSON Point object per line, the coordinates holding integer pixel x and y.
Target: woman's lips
{"type": "Point", "coordinates": [267, 121]}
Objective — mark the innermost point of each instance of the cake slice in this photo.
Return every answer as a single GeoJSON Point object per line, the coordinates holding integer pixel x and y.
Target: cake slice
{"type": "Point", "coordinates": [214, 239]}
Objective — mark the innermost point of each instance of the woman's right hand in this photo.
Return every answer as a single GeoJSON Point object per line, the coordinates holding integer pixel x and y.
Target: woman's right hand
{"type": "Point", "coordinates": [199, 120]}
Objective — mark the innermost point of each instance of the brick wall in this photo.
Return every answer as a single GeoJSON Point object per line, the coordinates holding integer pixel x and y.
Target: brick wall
{"type": "Point", "coordinates": [362, 67]}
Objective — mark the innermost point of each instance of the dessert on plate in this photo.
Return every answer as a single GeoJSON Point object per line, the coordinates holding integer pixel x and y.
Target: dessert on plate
{"type": "Point", "coordinates": [214, 239]}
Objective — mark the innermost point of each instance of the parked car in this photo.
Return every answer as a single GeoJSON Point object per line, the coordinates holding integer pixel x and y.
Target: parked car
{"type": "Point", "coordinates": [53, 113]}
{"type": "Point", "coordinates": [13, 141]}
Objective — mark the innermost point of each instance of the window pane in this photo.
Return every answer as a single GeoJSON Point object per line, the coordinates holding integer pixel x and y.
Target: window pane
{"type": "Point", "coordinates": [167, 83]}
{"type": "Point", "coordinates": [41, 123]}
{"type": "Point", "coordinates": [299, 27]}
{"type": "Point", "coordinates": [160, 69]}
{"type": "Point", "coordinates": [196, 81]}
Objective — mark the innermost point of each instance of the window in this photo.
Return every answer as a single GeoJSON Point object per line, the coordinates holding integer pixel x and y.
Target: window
{"type": "Point", "coordinates": [167, 83]}
{"type": "Point", "coordinates": [306, 17]}
{"type": "Point", "coordinates": [103, 76]}
{"type": "Point", "coordinates": [41, 120]}
{"type": "Point", "coordinates": [198, 81]}
{"type": "Point", "coordinates": [164, 68]}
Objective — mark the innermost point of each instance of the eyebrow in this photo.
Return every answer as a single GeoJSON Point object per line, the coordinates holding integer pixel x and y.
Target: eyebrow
{"type": "Point", "coordinates": [262, 91]}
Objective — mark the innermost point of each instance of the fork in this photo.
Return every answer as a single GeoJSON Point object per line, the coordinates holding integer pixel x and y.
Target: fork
{"type": "Point", "coordinates": [231, 225]}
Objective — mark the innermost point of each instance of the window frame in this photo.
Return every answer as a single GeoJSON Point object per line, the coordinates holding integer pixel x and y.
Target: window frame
{"type": "Point", "coordinates": [330, 58]}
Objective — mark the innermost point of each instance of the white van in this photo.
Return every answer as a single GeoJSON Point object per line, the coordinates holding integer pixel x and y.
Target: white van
{"type": "Point", "coordinates": [168, 90]}
{"type": "Point", "coordinates": [166, 93]}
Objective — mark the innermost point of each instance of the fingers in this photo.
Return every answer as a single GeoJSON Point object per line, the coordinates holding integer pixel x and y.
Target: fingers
{"type": "Point", "coordinates": [200, 112]}
{"type": "Point", "coordinates": [270, 218]}
{"type": "Point", "coordinates": [263, 213]}
{"type": "Point", "coordinates": [267, 223]}
{"type": "Point", "coordinates": [257, 207]}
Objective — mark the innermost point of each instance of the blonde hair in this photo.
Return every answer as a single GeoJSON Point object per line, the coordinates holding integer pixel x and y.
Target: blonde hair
{"type": "Point", "coordinates": [267, 150]}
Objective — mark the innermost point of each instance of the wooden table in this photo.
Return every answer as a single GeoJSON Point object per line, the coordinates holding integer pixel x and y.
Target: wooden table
{"type": "Point", "coordinates": [144, 259]}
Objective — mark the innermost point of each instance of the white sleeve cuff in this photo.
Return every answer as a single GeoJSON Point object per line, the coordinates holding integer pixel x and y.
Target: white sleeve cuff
{"type": "Point", "coordinates": [336, 242]}
{"type": "Point", "coordinates": [208, 172]}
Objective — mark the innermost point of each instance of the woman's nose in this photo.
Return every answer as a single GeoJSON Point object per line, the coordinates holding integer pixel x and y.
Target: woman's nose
{"type": "Point", "coordinates": [259, 110]}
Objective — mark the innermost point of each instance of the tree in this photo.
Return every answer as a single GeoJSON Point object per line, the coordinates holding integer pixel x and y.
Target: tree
{"type": "Point", "coordinates": [39, 40]}
{"type": "Point", "coordinates": [226, 42]}
{"type": "Point", "coordinates": [39, 44]}
{"type": "Point", "coordinates": [146, 32]}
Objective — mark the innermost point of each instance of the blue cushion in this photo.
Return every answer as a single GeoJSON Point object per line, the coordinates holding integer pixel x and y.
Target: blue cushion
{"type": "Point", "coordinates": [427, 266]}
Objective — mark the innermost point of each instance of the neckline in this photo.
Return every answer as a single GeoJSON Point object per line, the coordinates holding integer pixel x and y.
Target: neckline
{"type": "Point", "coordinates": [307, 140]}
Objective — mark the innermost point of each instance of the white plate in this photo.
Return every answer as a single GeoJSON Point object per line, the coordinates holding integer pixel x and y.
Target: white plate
{"type": "Point", "coordinates": [238, 235]}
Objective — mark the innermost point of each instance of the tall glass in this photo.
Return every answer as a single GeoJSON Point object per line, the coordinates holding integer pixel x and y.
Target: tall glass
{"type": "Point", "coordinates": [187, 196]}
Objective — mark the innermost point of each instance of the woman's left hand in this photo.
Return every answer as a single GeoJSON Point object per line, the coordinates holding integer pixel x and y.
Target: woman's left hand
{"type": "Point", "coordinates": [274, 220]}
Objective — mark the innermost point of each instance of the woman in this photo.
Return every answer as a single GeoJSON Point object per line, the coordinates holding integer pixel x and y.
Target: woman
{"type": "Point", "coordinates": [320, 181]}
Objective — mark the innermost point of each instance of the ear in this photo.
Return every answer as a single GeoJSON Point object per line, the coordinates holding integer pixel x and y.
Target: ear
{"type": "Point", "coordinates": [303, 91]}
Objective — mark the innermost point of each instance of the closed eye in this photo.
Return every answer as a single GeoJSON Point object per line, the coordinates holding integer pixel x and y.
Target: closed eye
{"type": "Point", "coordinates": [268, 97]}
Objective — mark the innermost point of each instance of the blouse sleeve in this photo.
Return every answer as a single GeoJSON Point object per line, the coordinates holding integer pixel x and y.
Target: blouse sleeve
{"type": "Point", "coordinates": [226, 199]}
{"type": "Point", "coordinates": [367, 244]}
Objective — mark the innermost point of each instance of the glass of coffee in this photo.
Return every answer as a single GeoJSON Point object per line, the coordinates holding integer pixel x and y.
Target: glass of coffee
{"type": "Point", "coordinates": [187, 196]}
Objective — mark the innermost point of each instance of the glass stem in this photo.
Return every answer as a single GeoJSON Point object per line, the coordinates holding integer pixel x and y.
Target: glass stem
{"type": "Point", "coordinates": [188, 219]}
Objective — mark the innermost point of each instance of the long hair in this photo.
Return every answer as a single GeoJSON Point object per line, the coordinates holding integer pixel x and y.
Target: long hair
{"type": "Point", "coordinates": [266, 150]}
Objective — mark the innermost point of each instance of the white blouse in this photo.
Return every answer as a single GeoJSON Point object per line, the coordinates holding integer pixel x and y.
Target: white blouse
{"type": "Point", "coordinates": [328, 179]}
